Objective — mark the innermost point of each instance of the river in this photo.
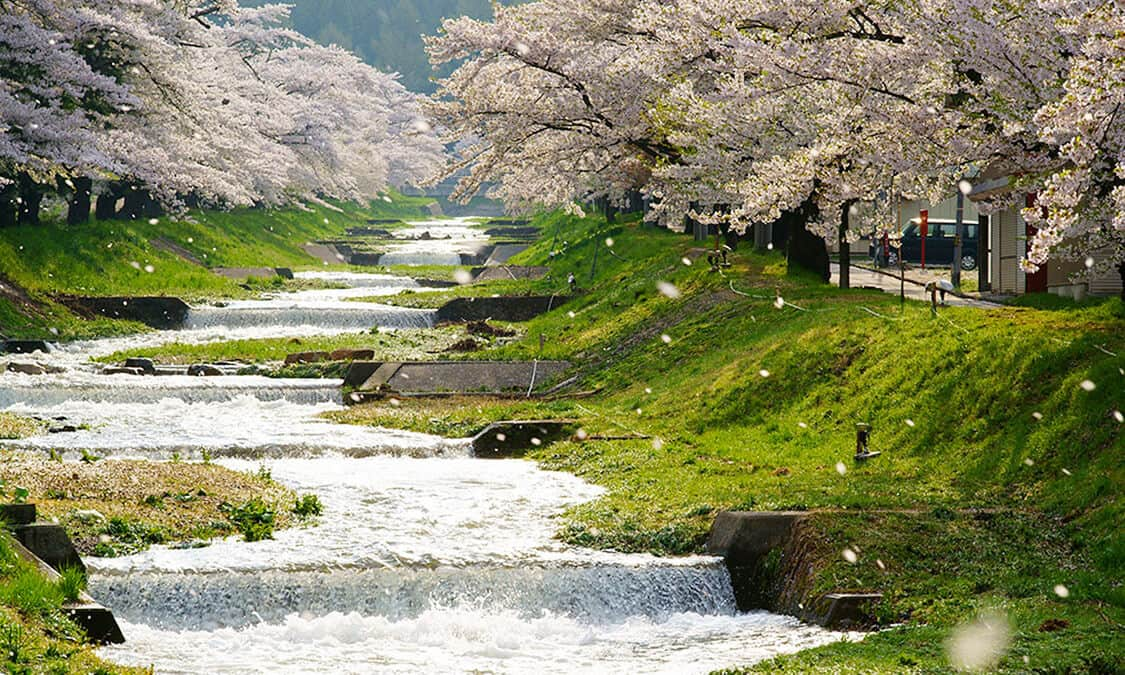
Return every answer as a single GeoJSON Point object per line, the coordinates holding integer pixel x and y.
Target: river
{"type": "Point", "coordinates": [426, 560]}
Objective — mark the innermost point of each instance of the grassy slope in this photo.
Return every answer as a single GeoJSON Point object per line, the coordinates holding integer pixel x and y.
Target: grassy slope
{"type": "Point", "coordinates": [952, 401]}
{"type": "Point", "coordinates": [111, 257]}
{"type": "Point", "coordinates": [35, 634]}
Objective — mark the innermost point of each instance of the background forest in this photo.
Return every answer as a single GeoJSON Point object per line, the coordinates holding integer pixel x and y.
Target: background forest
{"type": "Point", "coordinates": [385, 33]}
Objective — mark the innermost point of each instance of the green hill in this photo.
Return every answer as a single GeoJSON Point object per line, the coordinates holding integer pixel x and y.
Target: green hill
{"type": "Point", "coordinates": [1000, 430]}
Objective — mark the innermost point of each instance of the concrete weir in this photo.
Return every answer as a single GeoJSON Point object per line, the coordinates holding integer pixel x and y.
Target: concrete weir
{"type": "Point", "coordinates": [453, 377]}
{"type": "Point", "coordinates": [157, 312]}
{"type": "Point", "coordinates": [48, 548]}
{"type": "Point", "coordinates": [502, 440]}
{"type": "Point", "coordinates": [510, 308]}
{"type": "Point", "coordinates": [754, 546]}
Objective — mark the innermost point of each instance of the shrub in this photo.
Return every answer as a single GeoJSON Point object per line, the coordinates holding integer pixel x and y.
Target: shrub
{"type": "Point", "coordinates": [254, 518]}
{"type": "Point", "coordinates": [308, 506]}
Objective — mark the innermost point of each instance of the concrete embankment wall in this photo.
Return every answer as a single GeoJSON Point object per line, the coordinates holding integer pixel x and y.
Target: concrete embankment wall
{"type": "Point", "coordinates": [770, 559]}
{"type": "Point", "coordinates": [453, 376]}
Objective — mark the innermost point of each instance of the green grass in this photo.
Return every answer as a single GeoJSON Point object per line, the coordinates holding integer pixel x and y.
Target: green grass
{"type": "Point", "coordinates": [406, 344]}
{"type": "Point", "coordinates": [35, 634]}
{"type": "Point", "coordinates": [750, 406]}
{"type": "Point", "coordinates": [115, 257]}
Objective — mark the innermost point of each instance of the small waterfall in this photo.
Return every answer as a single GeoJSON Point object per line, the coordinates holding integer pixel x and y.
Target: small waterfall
{"type": "Point", "coordinates": [360, 279]}
{"type": "Point", "coordinates": [361, 316]}
{"type": "Point", "coordinates": [588, 594]}
{"type": "Point", "coordinates": [50, 393]}
{"type": "Point", "coordinates": [416, 258]}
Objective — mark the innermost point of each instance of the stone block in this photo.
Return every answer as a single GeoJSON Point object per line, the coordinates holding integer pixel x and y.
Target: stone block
{"type": "Point", "coordinates": [26, 346]}
{"type": "Point", "coordinates": [50, 543]}
{"type": "Point", "coordinates": [147, 366]}
{"type": "Point", "coordinates": [15, 515]}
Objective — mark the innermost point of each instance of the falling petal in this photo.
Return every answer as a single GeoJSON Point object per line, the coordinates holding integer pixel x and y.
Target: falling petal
{"type": "Point", "coordinates": [802, 425]}
{"type": "Point", "coordinates": [666, 338]}
{"type": "Point", "coordinates": [909, 422]}
{"type": "Point", "coordinates": [639, 411]}
{"type": "Point", "coordinates": [581, 434]}
{"type": "Point", "coordinates": [135, 265]}
{"type": "Point", "coordinates": [841, 468]}
{"type": "Point", "coordinates": [1118, 416]}
{"type": "Point", "coordinates": [779, 302]}
{"type": "Point", "coordinates": [880, 564]}
{"type": "Point", "coordinates": [501, 437]}
{"type": "Point", "coordinates": [1088, 385]}
{"type": "Point", "coordinates": [764, 373]}
{"type": "Point", "coordinates": [463, 276]}
{"type": "Point", "coordinates": [1062, 591]}
{"type": "Point", "coordinates": [769, 246]}
{"type": "Point", "coordinates": [1089, 262]}
{"type": "Point", "coordinates": [1029, 461]}
{"type": "Point", "coordinates": [536, 442]}
{"type": "Point", "coordinates": [609, 242]}
{"type": "Point", "coordinates": [571, 314]}
{"type": "Point", "coordinates": [979, 645]}
{"type": "Point", "coordinates": [657, 444]}
{"type": "Point", "coordinates": [850, 555]}
{"type": "Point", "coordinates": [1067, 472]}
{"type": "Point", "coordinates": [965, 187]}
{"type": "Point", "coordinates": [1037, 415]}
{"type": "Point", "coordinates": [668, 289]}
{"type": "Point", "coordinates": [150, 269]}
{"type": "Point", "coordinates": [686, 261]}
{"type": "Point", "coordinates": [648, 390]}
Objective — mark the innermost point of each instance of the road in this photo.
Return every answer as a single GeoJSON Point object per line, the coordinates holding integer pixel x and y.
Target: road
{"type": "Point", "coordinates": [861, 278]}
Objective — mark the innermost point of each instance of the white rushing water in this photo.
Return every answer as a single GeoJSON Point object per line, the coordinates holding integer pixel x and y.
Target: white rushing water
{"type": "Point", "coordinates": [448, 239]}
{"type": "Point", "coordinates": [426, 560]}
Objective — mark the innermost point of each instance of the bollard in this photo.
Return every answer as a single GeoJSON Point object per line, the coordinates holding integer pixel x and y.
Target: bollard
{"type": "Point", "coordinates": [862, 436]}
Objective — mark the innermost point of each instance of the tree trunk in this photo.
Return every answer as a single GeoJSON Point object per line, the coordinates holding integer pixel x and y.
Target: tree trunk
{"type": "Point", "coordinates": [106, 207]}
{"type": "Point", "coordinates": [134, 204]}
{"type": "Point", "coordinates": [845, 247]}
{"type": "Point", "coordinates": [78, 205]}
{"type": "Point", "coordinates": [31, 197]}
{"type": "Point", "coordinates": [8, 211]}
{"type": "Point", "coordinates": [806, 251]}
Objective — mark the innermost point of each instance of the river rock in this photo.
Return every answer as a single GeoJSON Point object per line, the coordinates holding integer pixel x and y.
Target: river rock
{"type": "Point", "coordinates": [64, 429]}
{"type": "Point", "coordinates": [147, 366]}
{"type": "Point", "coordinates": [352, 355]}
{"type": "Point", "coordinates": [122, 370]}
{"type": "Point", "coordinates": [33, 369]}
{"type": "Point", "coordinates": [306, 357]}
{"type": "Point", "coordinates": [203, 370]}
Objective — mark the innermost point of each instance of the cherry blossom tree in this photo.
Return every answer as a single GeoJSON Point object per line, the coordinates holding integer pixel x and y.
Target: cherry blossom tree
{"type": "Point", "coordinates": [772, 107]}
{"type": "Point", "coordinates": [162, 101]}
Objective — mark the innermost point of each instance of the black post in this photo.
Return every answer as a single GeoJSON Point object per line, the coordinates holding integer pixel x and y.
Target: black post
{"type": "Point", "coordinates": [958, 238]}
{"type": "Point", "coordinates": [845, 248]}
{"type": "Point", "coordinates": [984, 231]}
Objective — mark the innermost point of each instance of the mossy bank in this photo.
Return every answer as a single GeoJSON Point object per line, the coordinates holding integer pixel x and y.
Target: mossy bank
{"type": "Point", "coordinates": [741, 389]}
{"type": "Point", "coordinates": [169, 256]}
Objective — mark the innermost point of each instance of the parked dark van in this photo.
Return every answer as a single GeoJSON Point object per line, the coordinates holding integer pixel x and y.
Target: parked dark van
{"type": "Point", "coordinates": [939, 244]}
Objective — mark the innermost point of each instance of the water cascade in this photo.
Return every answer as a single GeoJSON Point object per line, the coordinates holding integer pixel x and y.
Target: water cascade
{"type": "Point", "coordinates": [425, 560]}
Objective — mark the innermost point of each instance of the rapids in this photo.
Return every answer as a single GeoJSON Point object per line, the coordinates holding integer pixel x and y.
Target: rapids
{"type": "Point", "coordinates": [426, 560]}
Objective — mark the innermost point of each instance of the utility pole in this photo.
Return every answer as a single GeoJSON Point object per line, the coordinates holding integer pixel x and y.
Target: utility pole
{"type": "Point", "coordinates": [958, 238]}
